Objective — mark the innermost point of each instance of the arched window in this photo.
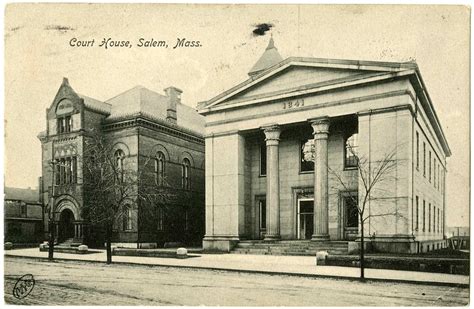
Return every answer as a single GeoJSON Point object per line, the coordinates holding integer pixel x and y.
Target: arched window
{"type": "Point", "coordinates": [351, 151]}
{"type": "Point", "coordinates": [185, 174]}
{"type": "Point", "coordinates": [159, 168]}
{"type": "Point", "coordinates": [307, 155]}
{"type": "Point", "coordinates": [127, 218]}
{"type": "Point", "coordinates": [119, 156]}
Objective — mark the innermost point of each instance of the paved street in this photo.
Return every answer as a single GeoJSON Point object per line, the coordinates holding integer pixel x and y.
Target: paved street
{"type": "Point", "coordinates": [82, 283]}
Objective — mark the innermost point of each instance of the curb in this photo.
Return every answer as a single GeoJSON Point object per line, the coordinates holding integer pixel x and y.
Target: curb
{"type": "Point", "coordinates": [263, 272]}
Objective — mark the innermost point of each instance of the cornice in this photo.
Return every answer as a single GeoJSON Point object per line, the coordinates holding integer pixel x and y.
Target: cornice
{"type": "Point", "coordinates": [146, 121]}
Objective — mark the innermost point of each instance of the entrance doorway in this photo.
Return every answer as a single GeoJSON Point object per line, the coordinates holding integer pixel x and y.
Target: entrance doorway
{"type": "Point", "coordinates": [305, 226]}
{"type": "Point", "coordinates": [66, 225]}
{"type": "Point", "coordinates": [350, 217]}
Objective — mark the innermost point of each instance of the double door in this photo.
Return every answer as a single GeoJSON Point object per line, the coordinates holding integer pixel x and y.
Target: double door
{"type": "Point", "coordinates": [305, 218]}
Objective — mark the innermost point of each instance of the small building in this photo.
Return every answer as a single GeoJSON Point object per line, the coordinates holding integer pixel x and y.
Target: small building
{"type": "Point", "coordinates": [283, 149]}
{"type": "Point", "coordinates": [155, 135]}
{"type": "Point", "coordinates": [23, 215]}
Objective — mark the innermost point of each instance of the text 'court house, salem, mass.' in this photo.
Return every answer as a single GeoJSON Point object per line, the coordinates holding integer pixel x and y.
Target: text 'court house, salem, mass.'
{"type": "Point", "coordinates": [284, 148]}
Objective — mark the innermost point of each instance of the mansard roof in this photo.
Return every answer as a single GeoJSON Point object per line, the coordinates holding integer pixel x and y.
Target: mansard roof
{"type": "Point", "coordinates": [95, 105]}
{"type": "Point", "coordinates": [144, 101]}
{"type": "Point", "coordinates": [138, 100]}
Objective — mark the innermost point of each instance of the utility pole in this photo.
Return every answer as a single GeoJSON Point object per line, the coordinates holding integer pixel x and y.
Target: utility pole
{"type": "Point", "coordinates": [51, 223]}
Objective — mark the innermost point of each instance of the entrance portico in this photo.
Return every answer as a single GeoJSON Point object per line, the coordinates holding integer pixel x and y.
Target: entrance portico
{"type": "Point", "coordinates": [69, 224]}
{"type": "Point", "coordinates": [282, 137]}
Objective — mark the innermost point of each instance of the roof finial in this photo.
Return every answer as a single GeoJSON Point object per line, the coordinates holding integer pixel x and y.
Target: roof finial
{"type": "Point", "coordinates": [271, 44]}
{"type": "Point", "coordinates": [65, 81]}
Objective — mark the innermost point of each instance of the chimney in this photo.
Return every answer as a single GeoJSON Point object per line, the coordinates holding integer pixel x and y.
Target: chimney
{"type": "Point", "coordinates": [40, 189]}
{"type": "Point", "coordinates": [174, 97]}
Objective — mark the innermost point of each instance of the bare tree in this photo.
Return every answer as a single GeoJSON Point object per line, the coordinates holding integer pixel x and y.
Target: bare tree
{"type": "Point", "coordinates": [110, 186]}
{"type": "Point", "coordinates": [373, 178]}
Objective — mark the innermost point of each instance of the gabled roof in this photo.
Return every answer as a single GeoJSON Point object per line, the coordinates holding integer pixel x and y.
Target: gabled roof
{"type": "Point", "coordinates": [22, 194]}
{"type": "Point", "coordinates": [269, 58]}
{"type": "Point", "coordinates": [375, 66]}
{"type": "Point", "coordinates": [380, 71]}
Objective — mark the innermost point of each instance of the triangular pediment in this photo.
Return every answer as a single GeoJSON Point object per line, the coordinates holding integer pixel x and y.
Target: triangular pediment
{"type": "Point", "coordinates": [295, 75]}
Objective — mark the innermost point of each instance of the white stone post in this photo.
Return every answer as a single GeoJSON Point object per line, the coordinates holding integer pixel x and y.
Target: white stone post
{"type": "Point", "coordinates": [272, 139]}
{"type": "Point", "coordinates": [320, 133]}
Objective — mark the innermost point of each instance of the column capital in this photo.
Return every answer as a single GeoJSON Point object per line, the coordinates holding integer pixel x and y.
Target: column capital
{"type": "Point", "coordinates": [272, 132]}
{"type": "Point", "coordinates": [320, 125]}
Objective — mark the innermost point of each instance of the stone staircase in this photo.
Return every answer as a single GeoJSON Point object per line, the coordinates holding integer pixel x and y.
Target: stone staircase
{"type": "Point", "coordinates": [67, 246]}
{"type": "Point", "coordinates": [290, 247]}
{"type": "Point", "coordinates": [69, 243]}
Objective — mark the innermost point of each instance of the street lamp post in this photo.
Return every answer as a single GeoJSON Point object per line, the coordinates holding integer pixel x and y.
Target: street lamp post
{"type": "Point", "coordinates": [51, 223]}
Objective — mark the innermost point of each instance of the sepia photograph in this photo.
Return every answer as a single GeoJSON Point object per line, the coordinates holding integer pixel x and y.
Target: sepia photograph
{"type": "Point", "coordinates": [300, 155]}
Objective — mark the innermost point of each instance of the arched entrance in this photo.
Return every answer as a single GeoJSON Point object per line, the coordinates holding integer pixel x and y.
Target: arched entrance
{"type": "Point", "coordinates": [66, 225]}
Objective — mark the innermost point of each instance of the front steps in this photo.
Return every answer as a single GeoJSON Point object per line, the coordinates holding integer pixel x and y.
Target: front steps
{"type": "Point", "coordinates": [68, 246]}
{"type": "Point", "coordinates": [71, 242]}
{"type": "Point", "coordinates": [290, 247]}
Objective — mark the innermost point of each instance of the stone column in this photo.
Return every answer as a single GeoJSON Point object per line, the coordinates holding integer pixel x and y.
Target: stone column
{"type": "Point", "coordinates": [320, 133]}
{"type": "Point", "coordinates": [272, 139]}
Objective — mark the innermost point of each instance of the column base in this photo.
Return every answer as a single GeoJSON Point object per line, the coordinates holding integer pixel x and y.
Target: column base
{"type": "Point", "coordinates": [320, 238]}
{"type": "Point", "coordinates": [219, 243]}
{"type": "Point", "coordinates": [271, 237]}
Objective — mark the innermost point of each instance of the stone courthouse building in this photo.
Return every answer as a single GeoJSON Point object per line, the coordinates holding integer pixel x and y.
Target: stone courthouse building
{"type": "Point", "coordinates": [143, 126]}
{"type": "Point", "coordinates": [262, 185]}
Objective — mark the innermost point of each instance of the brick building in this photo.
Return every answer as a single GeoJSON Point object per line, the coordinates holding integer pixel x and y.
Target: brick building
{"type": "Point", "coordinates": [23, 216]}
{"type": "Point", "coordinates": [268, 188]}
{"type": "Point", "coordinates": [143, 126]}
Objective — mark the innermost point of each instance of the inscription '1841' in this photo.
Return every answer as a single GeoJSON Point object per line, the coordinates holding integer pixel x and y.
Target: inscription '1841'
{"type": "Point", "coordinates": [293, 104]}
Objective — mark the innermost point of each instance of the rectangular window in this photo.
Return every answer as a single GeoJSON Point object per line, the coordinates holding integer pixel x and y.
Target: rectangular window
{"type": "Point", "coordinates": [434, 172]}
{"type": "Point", "coordinates": [262, 208]}
{"type": "Point", "coordinates": [443, 183]}
{"type": "Point", "coordinates": [417, 150]}
{"type": "Point", "coordinates": [351, 151]}
{"type": "Point", "coordinates": [306, 155]}
{"type": "Point", "coordinates": [429, 217]}
{"type": "Point", "coordinates": [434, 218]}
{"type": "Point", "coordinates": [64, 124]}
{"type": "Point", "coordinates": [127, 218]}
{"type": "Point", "coordinates": [352, 212]}
{"type": "Point", "coordinates": [439, 175]}
{"type": "Point", "coordinates": [438, 220]}
{"type": "Point", "coordinates": [62, 170]}
{"type": "Point", "coordinates": [159, 219]}
{"type": "Point", "coordinates": [74, 170]}
{"type": "Point", "coordinates": [263, 159]}
{"type": "Point", "coordinates": [416, 222]}
{"type": "Point", "coordinates": [60, 125]}
{"type": "Point", "coordinates": [429, 168]}
{"type": "Point", "coordinates": [186, 220]}
{"type": "Point", "coordinates": [424, 215]}
{"type": "Point", "coordinates": [424, 159]}
{"type": "Point", "coordinates": [23, 210]}
{"type": "Point", "coordinates": [68, 171]}
{"type": "Point", "coordinates": [68, 124]}
{"type": "Point", "coordinates": [57, 174]}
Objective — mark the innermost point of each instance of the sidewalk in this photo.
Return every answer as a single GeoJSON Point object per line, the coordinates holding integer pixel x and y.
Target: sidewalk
{"type": "Point", "coordinates": [267, 264]}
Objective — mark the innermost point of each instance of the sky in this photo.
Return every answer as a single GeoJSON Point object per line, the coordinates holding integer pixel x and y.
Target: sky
{"type": "Point", "coordinates": [38, 55]}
